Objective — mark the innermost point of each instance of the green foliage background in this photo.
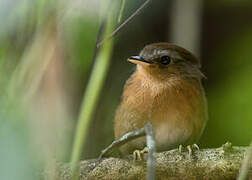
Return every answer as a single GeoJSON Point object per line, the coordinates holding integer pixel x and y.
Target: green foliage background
{"type": "Point", "coordinates": [46, 53]}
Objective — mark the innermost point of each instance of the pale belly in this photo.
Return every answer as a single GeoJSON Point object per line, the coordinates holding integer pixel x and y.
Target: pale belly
{"type": "Point", "coordinates": [169, 133]}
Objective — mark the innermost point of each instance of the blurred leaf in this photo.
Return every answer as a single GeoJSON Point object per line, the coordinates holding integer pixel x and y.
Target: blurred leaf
{"type": "Point", "coordinates": [230, 101]}
{"type": "Point", "coordinates": [82, 33]}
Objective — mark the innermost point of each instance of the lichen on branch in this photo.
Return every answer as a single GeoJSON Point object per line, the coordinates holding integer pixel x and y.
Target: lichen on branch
{"type": "Point", "coordinates": [218, 164]}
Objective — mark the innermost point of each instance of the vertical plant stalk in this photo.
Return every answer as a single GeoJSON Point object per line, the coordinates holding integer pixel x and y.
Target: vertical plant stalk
{"type": "Point", "coordinates": [151, 145]}
{"type": "Point", "coordinates": [121, 11]}
{"type": "Point", "coordinates": [245, 165]}
{"type": "Point", "coordinates": [91, 95]}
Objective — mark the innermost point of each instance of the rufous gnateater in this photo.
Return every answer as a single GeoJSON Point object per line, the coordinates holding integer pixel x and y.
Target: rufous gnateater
{"type": "Point", "coordinates": [166, 91]}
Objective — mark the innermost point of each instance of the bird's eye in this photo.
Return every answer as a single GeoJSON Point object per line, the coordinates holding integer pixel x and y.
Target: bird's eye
{"type": "Point", "coordinates": [165, 60]}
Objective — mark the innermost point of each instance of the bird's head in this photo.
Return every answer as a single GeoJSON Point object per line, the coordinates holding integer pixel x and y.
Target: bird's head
{"type": "Point", "coordinates": [165, 60]}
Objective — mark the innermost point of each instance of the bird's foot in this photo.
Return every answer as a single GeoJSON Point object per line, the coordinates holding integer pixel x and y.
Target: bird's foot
{"type": "Point", "coordinates": [138, 154]}
{"type": "Point", "coordinates": [189, 148]}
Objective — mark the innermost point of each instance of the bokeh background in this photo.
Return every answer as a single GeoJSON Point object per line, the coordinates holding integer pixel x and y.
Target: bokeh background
{"type": "Point", "coordinates": [46, 58]}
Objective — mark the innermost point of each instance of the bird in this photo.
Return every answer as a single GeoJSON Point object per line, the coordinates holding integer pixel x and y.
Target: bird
{"type": "Point", "coordinates": [164, 90]}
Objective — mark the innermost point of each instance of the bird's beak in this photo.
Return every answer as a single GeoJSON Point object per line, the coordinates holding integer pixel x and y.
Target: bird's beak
{"type": "Point", "coordinates": [139, 60]}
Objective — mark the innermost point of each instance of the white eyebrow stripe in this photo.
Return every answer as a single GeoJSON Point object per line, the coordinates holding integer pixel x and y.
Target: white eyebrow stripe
{"type": "Point", "coordinates": [171, 53]}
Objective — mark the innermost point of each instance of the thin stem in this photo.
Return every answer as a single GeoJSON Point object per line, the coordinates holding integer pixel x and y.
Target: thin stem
{"type": "Point", "coordinates": [122, 140]}
{"type": "Point", "coordinates": [151, 145]}
{"type": "Point", "coordinates": [124, 23]}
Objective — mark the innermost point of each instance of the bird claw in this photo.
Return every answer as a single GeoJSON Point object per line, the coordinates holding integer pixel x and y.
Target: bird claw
{"type": "Point", "coordinates": [190, 149]}
{"type": "Point", "coordinates": [138, 154]}
{"type": "Point", "coordinates": [196, 146]}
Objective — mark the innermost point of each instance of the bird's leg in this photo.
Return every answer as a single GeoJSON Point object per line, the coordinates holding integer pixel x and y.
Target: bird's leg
{"type": "Point", "coordinates": [190, 149]}
{"type": "Point", "coordinates": [138, 154]}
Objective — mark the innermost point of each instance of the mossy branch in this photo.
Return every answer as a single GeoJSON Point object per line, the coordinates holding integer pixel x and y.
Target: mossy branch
{"type": "Point", "coordinates": [220, 163]}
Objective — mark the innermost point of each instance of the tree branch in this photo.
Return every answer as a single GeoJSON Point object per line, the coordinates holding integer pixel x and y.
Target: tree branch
{"type": "Point", "coordinates": [220, 163]}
